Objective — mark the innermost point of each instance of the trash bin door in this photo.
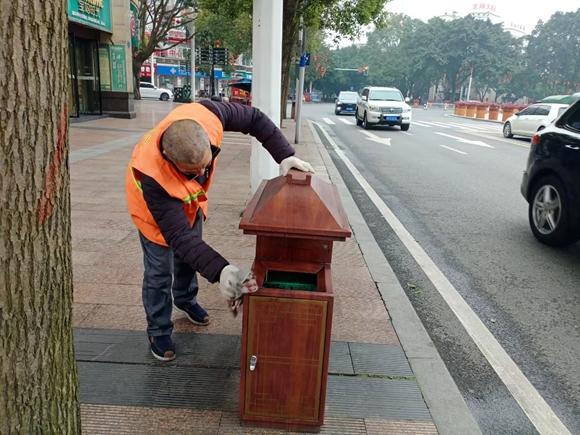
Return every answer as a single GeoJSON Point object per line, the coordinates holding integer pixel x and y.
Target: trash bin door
{"type": "Point", "coordinates": [285, 352]}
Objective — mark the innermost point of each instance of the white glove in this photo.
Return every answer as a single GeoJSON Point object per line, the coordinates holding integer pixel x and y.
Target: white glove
{"type": "Point", "coordinates": [234, 282]}
{"type": "Point", "coordinates": [294, 162]}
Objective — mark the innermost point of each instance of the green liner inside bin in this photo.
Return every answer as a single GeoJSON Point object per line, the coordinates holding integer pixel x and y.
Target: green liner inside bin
{"type": "Point", "coordinates": [291, 280]}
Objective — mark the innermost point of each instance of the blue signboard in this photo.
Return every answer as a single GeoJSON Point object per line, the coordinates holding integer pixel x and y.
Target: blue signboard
{"type": "Point", "coordinates": [175, 70]}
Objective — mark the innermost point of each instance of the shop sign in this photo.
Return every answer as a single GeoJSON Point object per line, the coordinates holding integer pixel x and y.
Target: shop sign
{"type": "Point", "coordinates": [91, 13]}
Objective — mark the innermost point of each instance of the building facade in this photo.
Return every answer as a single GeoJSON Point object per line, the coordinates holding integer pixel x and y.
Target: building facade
{"type": "Point", "coordinates": [100, 58]}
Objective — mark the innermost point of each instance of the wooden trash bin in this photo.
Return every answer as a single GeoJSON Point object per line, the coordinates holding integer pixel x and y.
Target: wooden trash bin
{"type": "Point", "coordinates": [287, 322]}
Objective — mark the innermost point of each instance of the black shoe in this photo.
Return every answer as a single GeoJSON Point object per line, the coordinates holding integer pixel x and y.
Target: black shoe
{"type": "Point", "coordinates": [162, 347]}
{"type": "Point", "coordinates": [195, 313]}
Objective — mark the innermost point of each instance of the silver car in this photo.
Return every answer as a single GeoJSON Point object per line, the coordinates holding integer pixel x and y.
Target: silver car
{"type": "Point", "coordinates": [532, 119]}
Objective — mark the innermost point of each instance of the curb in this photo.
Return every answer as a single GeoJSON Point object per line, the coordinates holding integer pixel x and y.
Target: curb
{"type": "Point", "coordinates": [448, 409]}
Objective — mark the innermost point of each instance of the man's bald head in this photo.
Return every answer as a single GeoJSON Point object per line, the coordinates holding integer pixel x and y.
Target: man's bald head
{"type": "Point", "coordinates": [185, 141]}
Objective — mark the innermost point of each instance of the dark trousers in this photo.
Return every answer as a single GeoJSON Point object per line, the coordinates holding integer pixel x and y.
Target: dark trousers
{"type": "Point", "coordinates": [166, 281]}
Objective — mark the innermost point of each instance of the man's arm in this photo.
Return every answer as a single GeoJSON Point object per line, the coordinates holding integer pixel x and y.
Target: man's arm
{"type": "Point", "coordinates": [187, 245]}
{"type": "Point", "coordinates": [250, 120]}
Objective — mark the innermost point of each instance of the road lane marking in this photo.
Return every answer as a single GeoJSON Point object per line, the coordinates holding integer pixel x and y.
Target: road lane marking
{"type": "Point", "coordinates": [408, 134]}
{"type": "Point", "coordinates": [420, 124]}
{"type": "Point", "coordinates": [378, 139]}
{"type": "Point", "coordinates": [346, 121]}
{"type": "Point", "coordinates": [474, 127]}
{"type": "Point", "coordinates": [471, 142]}
{"type": "Point", "coordinates": [436, 124]}
{"type": "Point", "coordinates": [453, 149]}
{"type": "Point", "coordinates": [328, 121]}
{"type": "Point", "coordinates": [529, 399]}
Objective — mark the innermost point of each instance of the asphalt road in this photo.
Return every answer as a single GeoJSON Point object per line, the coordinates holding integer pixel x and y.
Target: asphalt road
{"type": "Point", "coordinates": [454, 184]}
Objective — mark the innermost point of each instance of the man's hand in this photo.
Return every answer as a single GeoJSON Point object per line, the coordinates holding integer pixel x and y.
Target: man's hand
{"type": "Point", "coordinates": [294, 162]}
{"type": "Point", "coordinates": [234, 283]}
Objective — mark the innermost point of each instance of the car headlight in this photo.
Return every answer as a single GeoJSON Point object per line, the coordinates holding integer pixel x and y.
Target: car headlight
{"type": "Point", "coordinates": [406, 109]}
{"type": "Point", "coordinates": [374, 109]}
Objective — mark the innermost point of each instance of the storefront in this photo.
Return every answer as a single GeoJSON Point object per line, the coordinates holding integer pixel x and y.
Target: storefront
{"type": "Point", "coordinates": [98, 68]}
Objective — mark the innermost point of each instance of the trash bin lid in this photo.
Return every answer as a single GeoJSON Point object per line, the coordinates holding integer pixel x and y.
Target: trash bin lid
{"type": "Point", "coordinates": [299, 204]}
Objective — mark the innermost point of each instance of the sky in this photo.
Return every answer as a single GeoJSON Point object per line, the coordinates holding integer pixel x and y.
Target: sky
{"type": "Point", "coordinates": [522, 12]}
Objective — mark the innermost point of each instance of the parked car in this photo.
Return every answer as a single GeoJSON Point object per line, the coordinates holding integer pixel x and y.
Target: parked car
{"type": "Point", "coordinates": [346, 102]}
{"type": "Point", "coordinates": [383, 106]}
{"type": "Point", "coordinates": [149, 90]}
{"type": "Point", "coordinates": [532, 119]}
{"type": "Point", "coordinates": [551, 181]}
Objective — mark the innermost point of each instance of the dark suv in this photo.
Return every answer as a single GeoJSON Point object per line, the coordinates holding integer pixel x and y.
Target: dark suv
{"type": "Point", "coordinates": [551, 182]}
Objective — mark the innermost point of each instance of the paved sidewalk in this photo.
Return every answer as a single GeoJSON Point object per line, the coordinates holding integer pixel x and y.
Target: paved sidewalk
{"type": "Point", "coordinates": [371, 390]}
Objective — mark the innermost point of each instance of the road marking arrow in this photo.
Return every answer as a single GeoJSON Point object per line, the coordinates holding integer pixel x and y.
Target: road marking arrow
{"type": "Point", "coordinates": [471, 142]}
{"type": "Point", "coordinates": [375, 138]}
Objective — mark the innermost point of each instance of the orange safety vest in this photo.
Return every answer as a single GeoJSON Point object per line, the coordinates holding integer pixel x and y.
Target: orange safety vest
{"type": "Point", "coordinates": [147, 159]}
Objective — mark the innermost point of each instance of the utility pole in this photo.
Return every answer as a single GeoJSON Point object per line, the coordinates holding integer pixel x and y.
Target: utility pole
{"type": "Point", "coordinates": [266, 79]}
{"type": "Point", "coordinates": [300, 90]}
{"type": "Point", "coordinates": [193, 62]}
{"type": "Point", "coordinates": [469, 85]}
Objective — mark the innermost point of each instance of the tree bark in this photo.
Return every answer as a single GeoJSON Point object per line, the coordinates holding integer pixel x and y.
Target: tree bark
{"type": "Point", "coordinates": [137, 78]}
{"type": "Point", "coordinates": [38, 377]}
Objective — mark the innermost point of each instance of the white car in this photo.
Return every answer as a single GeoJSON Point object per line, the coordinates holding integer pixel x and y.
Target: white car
{"type": "Point", "coordinates": [149, 90]}
{"type": "Point", "coordinates": [532, 119]}
{"type": "Point", "coordinates": [383, 106]}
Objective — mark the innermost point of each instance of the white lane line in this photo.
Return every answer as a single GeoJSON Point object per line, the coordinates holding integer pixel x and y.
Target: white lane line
{"type": "Point", "coordinates": [531, 402]}
{"type": "Point", "coordinates": [453, 149]}
{"type": "Point", "coordinates": [346, 121]}
{"type": "Point", "coordinates": [436, 124]}
{"type": "Point", "coordinates": [474, 127]}
{"type": "Point", "coordinates": [328, 121]}
{"type": "Point", "coordinates": [420, 124]}
{"type": "Point", "coordinates": [407, 133]}
{"type": "Point", "coordinates": [471, 142]}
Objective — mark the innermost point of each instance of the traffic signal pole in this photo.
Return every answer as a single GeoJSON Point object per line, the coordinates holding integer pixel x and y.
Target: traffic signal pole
{"type": "Point", "coordinates": [300, 90]}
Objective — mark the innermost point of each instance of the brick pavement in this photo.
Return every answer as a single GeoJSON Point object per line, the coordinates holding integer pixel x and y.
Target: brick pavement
{"type": "Point", "coordinates": [107, 267]}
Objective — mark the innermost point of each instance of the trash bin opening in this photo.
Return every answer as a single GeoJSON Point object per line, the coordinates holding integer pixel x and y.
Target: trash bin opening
{"type": "Point", "coordinates": [291, 280]}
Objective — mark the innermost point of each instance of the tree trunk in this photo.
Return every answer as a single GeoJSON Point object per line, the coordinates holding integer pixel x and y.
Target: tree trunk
{"type": "Point", "coordinates": [137, 78]}
{"type": "Point", "coordinates": [289, 34]}
{"type": "Point", "coordinates": [38, 377]}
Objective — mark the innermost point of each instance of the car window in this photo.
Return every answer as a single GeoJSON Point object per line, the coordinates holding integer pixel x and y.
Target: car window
{"type": "Point", "coordinates": [528, 110]}
{"type": "Point", "coordinates": [542, 111]}
{"type": "Point", "coordinates": [561, 110]}
{"type": "Point", "coordinates": [573, 119]}
{"type": "Point", "coordinates": [348, 96]}
{"type": "Point", "coordinates": [385, 95]}
{"type": "Point", "coordinates": [145, 85]}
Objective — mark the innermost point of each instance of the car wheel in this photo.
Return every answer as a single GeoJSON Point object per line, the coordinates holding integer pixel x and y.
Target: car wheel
{"type": "Point", "coordinates": [164, 96]}
{"type": "Point", "coordinates": [507, 130]}
{"type": "Point", "coordinates": [358, 121]}
{"type": "Point", "coordinates": [336, 112]}
{"type": "Point", "coordinates": [365, 123]}
{"type": "Point", "coordinates": [549, 213]}
{"type": "Point", "coordinates": [405, 127]}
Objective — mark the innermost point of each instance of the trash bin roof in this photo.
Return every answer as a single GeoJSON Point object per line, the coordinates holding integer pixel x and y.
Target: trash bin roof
{"type": "Point", "coordinates": [299, 204]}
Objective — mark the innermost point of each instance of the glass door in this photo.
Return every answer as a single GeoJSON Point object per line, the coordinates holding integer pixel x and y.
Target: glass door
{"type": "Point", "coordinates": [87, 76]}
